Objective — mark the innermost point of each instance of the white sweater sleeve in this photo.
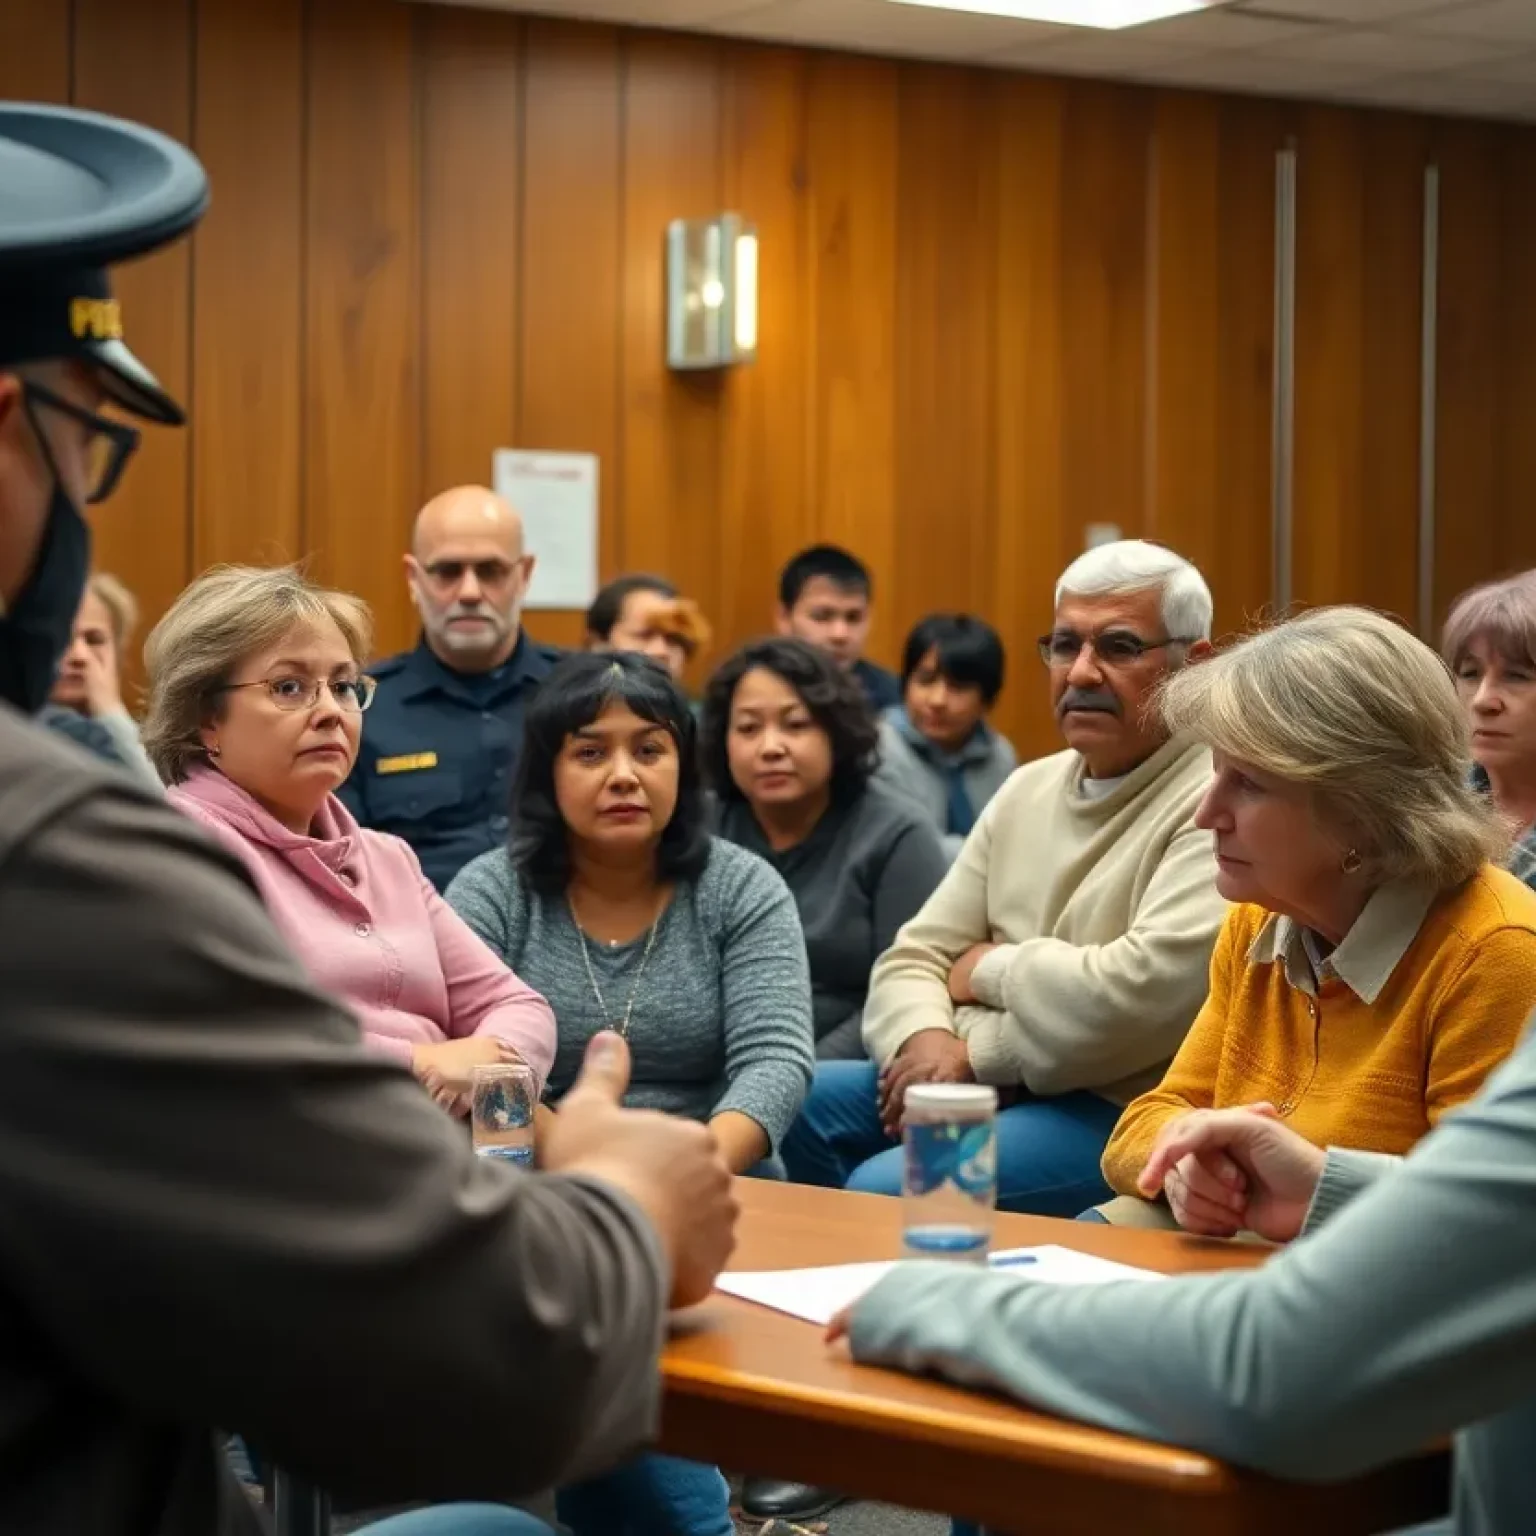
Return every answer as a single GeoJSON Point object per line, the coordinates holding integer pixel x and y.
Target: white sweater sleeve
{"type": "Point", "coordinates": [1076, 1016]}
{"type": "Point", "coordinates": [1410, 1314]}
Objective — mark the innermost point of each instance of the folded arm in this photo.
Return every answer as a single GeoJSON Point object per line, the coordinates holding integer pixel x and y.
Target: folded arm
{"type": "Point", "coordinates": [909, 987]}
{"type": "Point", "coordinates": [1083, 1015]}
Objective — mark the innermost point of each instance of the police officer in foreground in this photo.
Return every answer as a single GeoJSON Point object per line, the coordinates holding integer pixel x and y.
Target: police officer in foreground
{"type": "Point", "coordinates": [446, 728]}
{"type": "Point", "coordinates": [216, 1208]}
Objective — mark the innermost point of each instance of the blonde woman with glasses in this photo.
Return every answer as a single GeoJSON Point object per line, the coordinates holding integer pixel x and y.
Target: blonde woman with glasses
{"type": "Point", "coordinates": [256, 700]}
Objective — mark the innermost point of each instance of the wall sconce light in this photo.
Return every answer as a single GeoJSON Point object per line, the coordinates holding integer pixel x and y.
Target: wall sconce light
{"type": "Point", "coordinates": [711, 292]}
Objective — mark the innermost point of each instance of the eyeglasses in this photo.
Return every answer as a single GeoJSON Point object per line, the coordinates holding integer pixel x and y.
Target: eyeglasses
{"type": "Point", "coordinates": [488, 573]}
{"type": "Point", "coordinates": [1115, 647]}
{"type": "Point", "coordinates": [108, 449]}
{"type": "Point", "coordinates": [353, 694]}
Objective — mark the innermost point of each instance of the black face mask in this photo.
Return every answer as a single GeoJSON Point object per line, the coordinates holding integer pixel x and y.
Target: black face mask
{"type": "Point", "coordinates": [36, 628]}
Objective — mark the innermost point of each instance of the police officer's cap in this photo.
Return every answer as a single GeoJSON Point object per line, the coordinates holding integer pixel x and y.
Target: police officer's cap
{"type": "Point", "coordinates": [79, 192]}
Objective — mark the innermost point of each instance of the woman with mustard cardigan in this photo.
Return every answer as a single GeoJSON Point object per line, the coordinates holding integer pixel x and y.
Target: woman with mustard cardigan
{"type": "Point", "coordinates": [1377, 965]}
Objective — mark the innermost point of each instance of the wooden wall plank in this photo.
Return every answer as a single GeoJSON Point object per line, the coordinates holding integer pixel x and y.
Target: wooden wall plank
{"type": "Point", "coordinates": [1241, 574]}
{"type": "Point", "coordinates": [764, 495]}
{"type": "Point", "coordinates": [570, 269]}
{"type": "Point", "coordinates": [1184, 506]}
{"type": "Point", "coordinates": [670, 421]}
{"type": "Point", "coordinates": [946, 282]}
{"type": "Point", "coordinates": [471, 129]}
{"type": "Point", "coordinates": [1330, 343]}
{"type": "Point", "coordinates": [361, 329]}
{"type": "Point", "coordinates": [851, 143]}
{"type": "Point", "coordinates": [134, 58]}
{"type": "Point", "coordinates": [1473, 283]}
{"type": "Point", "coordinates": [1516, 547]}
{"type": "Point", "coordinates": [247, 303]}
{"type": "Point", "coordinates": [1030, 542]}
{"type": "Point", "coordinates": [35, 50]}
{"type": "Point", "coordinates": [1104, 222]}
{"type": "Point", "coordinates": [1383, 527]}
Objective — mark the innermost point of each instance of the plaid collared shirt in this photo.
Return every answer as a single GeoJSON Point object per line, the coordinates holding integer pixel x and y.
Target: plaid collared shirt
{"type": "Point", "coordinates": [1521, 862]}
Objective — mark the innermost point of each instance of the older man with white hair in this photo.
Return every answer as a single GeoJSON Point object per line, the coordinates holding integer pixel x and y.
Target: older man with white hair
{"type": "Point", "coordinates": [1065, 955]}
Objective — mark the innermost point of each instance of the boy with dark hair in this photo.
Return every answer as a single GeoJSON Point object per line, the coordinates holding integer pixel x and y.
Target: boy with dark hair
{"type": "Point", "coordinates": [824, 598]}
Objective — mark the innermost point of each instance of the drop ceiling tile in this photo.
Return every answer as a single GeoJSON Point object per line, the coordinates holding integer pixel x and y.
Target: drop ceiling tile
{"type": "Point", "coordinates": [1452, 93]}
{"type": "Point", "coordinates": [877, 26]}
{"type": "Point", "coordinates": [1503, 21]}
{"type": "Point", "coordinates": [1081, 52]}
{"type": "Point", "coordinates": [1216, 29]}
{"type": "Point", "coordinates": [1385, 52]}
{"type": "Point", "coordinates": [1348, 12]}
{"type": "Point", "coordinates": [1281, 77]}
{"type": "Point", "coordinates": [1516, 66]}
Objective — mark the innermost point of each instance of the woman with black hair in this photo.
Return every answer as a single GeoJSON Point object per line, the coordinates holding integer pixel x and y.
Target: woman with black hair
{"type": "Point", "coordinates": [789, 748]}
{"type": "Point", "coordinates": [936, 748]}
{"type": "Point", "coordinates": [617, 904]}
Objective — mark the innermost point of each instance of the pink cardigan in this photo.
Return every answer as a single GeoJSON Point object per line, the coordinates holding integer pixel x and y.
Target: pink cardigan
{"type": "Point", "coordinates": [370, 928]}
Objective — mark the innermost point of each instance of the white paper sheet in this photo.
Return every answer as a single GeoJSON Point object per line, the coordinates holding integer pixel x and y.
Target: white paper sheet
{"type": "Point", "coordinates": [557, 496]}
{"type": "Point", "coordinates": [818, 1295]}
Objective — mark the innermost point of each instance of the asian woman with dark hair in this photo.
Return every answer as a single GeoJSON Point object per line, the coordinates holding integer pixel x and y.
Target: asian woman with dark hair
{"type": "Point", "coordinates": [627, 915]}
{"type": "Point", "coordinates": [789, 749]}
{"type": "Point", "coordinates": [936, 747]}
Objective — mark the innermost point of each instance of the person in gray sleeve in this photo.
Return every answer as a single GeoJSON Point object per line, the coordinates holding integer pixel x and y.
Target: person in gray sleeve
{"type": "Point", "coordinates": [788, 747]}
{"type": "Point", "coordinates": [615, 903]}
{"type": "Point", "coordinates": [1405, 1311]}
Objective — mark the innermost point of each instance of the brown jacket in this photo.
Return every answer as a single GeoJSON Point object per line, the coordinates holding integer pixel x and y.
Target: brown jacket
{"type": "Point", "coordinates": [218, 1209]}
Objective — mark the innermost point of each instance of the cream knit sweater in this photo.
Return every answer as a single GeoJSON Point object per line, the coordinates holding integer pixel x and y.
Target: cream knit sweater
{"type": "Point", "coordinates": [1106, 912]}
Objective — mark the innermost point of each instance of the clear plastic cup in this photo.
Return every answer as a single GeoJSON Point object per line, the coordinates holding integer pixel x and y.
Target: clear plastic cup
{"type": "Point", "coordinates": [502, 1099]}
{"type": "Point", "coordinates": [949, 1171]}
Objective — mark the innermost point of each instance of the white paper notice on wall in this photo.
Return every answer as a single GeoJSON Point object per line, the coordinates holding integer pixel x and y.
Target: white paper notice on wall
{"type": "Point", "coordinates": [557, 496]}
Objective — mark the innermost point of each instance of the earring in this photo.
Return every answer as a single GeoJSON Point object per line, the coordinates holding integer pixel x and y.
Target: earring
{"type": "Point", "coordinates": [1352, 862]}
{"type": "Point", "coordinates": [211, 751]}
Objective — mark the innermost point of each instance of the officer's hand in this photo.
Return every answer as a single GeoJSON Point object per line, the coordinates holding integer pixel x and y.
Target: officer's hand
{"type": "Point", "coordinates": [670, 1167]}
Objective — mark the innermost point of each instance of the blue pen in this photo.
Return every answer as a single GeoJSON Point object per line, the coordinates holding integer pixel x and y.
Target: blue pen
{"type": "Point", "coordinates": [1013, 1260]}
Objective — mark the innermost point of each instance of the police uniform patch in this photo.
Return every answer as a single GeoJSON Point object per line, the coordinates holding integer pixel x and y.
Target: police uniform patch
{"type": "Point", "coordinates": [411, 762]}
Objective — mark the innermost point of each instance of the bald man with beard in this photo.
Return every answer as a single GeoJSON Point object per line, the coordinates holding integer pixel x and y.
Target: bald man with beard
{"type": "Point", "coordinates": [441, 742]}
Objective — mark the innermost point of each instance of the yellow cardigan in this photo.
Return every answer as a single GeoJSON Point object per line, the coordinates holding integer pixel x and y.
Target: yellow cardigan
{"type": "Point", "coordinates": [1374, 1076]}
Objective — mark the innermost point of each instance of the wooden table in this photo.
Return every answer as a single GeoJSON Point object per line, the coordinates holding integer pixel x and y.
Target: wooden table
{"type": "Point", "coordinates": [757, 1391]}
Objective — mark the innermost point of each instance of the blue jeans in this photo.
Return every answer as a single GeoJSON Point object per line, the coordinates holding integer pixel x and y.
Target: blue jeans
{"type": "Point", "coordinates": [1048, 1150]}
{"type": "Point", "coordinates": [652, 1495]}
{"type": "Point", "coordinates": [460, 1520]}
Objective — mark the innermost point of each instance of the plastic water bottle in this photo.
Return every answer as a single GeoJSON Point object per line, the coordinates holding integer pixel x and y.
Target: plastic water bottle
{"type": "Point", "coordinates": [502, 1099]}
{"type": "Point", "coordinates": [949, 1174]}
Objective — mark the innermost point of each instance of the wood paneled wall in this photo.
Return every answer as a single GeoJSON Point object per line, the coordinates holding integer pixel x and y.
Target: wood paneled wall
{"type": "Point", "coordinates": [995, 309]}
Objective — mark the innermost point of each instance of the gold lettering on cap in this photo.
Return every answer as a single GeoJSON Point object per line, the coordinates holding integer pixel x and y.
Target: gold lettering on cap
{"type": "Point", "coordinates": [100, 319]}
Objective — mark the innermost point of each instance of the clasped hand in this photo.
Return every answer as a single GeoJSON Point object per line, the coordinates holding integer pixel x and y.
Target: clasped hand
{"type": "Point", "coordinates": [1227, 1171]}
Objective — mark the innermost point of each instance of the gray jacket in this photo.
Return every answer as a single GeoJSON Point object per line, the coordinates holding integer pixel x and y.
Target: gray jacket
{"type": "Point", "coordinates": [1405, 1316]}
{"type": "Point", "coordinates": [915, 769]}
{"type": "Point", "coordinates": [222, 1210]}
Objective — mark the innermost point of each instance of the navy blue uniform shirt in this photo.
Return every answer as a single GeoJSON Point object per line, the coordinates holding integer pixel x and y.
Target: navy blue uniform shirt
{"type": "Point", "coordinates": [439, 751]}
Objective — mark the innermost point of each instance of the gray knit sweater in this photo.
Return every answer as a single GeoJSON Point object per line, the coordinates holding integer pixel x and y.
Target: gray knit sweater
{"type": "Point", "coordinates": [722, 1013]}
